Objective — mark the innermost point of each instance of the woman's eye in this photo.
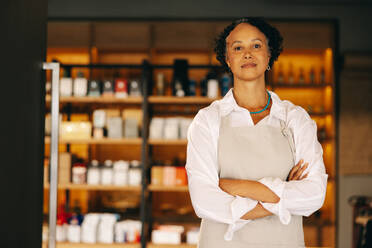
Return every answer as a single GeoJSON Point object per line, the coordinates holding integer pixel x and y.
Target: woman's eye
{"type": "Point", "coordinates": [257, 46]}
{"type": "Point", "coordinates": [238, 48]}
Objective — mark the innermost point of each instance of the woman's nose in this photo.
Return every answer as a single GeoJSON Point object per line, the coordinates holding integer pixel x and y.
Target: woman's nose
{"type": "Point", "coordinates": [247, 55]}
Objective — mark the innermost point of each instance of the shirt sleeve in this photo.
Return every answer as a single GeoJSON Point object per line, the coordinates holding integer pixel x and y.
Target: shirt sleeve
{"type": "Point", "coordinates": [208, 200]}
{"type": "Point", "coordinates": [301, 197]}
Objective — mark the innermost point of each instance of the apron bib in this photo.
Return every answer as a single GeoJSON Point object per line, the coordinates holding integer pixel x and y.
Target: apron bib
{"type": "Point", "coordinates": [254, 152]}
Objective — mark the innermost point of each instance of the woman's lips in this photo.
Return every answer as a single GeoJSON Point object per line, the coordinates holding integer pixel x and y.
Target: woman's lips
{"type": "Point", "coordinates": [248, 65]}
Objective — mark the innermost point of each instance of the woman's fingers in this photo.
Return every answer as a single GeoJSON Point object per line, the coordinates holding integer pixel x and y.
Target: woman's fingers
{"type": "Point", "coordinates": [294, 170]}
{"type": "Point", "coordinates": [304, 176]}
{"type": "Point", "coordinates": [297, 171]}
{"type": "Point", "coordinates": [300, 171]}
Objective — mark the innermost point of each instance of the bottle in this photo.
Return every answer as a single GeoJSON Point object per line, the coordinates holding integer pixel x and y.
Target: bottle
{"type": "Point", "coordinates": [192, 87]}
{"type": "Point", "coordinates": [108, 88]}
{"type": "Point", "coordinates": [225, 83]}
{"type": "Point", "coordinates": [121, 88]}
{"type": "Point", "coordinates": [135, 173]}
{"type": "Point", "coordinates": [107, 173]}
{"type": "Point", "coordinates": [312, 75]}
{"type": "Point", "coordinates": [80, 85]}
{"type": "Point", "coordinates": [280, 74]}
{"type": "Point", "coordinates": [134, 88]}
{"type": "Point", "coordinates": [322, 75]}
{"type": "Point", "coordinates": [94, 173]}
{"type": "Point", "coordinates": [212, 88]}
{"type": "Point", "coordinates": [180, 80]}
{"type": "Point", "coordinates": [290, 74]}
{"type": "Point", "coordinates": [66, 83]}
{"type": "Point", "coordinates": [203, 87]}
{"type": "Point", "coordinates": [74, 229]}
{"type": "Point", "coordinates": [94, 88]}
{"type": "Point", "coordinates": [121, 172]}
{"type": "Point", "coordinates": [301, 78]}
{"type": "Point", "coordinates": [160, 84]}
{"type": "Point", "coordinates": [79, 171]}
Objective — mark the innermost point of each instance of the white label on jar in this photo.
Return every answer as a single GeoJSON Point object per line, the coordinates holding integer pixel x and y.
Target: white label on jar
{"type": "Point", "coordinates": [93, 176]}
{"type": "Point", "coordinates": [135, 177]}
{"type": "Point", "coordinates": [106, 176]}
{"type": "Point", "coordinates": [79, 174]}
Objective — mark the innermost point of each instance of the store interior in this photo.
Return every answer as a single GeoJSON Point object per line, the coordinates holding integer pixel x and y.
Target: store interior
{"type": "Point", "coordinates": [133, 76]}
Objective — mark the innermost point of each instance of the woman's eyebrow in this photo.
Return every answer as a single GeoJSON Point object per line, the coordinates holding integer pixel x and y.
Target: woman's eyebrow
{"type": "Point", "coordinates": [236, 41]}
{"type": "Point", "coordinates": [256, 39]}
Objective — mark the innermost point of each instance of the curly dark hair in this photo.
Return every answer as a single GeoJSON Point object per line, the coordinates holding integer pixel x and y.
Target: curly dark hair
{"type": "Point", "coordinates": [272, 35]}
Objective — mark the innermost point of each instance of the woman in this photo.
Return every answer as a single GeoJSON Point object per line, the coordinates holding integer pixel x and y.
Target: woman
{"type": "Point", "coordinates": [246, 153]}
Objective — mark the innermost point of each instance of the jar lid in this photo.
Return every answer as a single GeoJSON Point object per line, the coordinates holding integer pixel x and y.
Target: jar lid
{"type": "Point", "coordinates": [135, 163]}
{"type": "Point", "coordinates": [94, 163]}
{"type": "Point", "coordinates": [108, 163]}
{"type": "Point", "coordinates": [121, 165]}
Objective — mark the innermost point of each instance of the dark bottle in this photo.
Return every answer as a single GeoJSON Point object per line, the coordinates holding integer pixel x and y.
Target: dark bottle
{"type": "Point", "coordinates": [204, 82]}
{"type": "Point", "coordinates": [301, 78]}
{"type": "Point", "coordinates": [180, 82]}
{"type": "Point", "coordinates": [280, 74]}
{"type": "Point", "coordinates": [312, 75]}
{"type": "Point", "coordinates": [226, 83]}
{"type": "Point", "coordinates": [290, 74]}
{"type": "Point", "coordinates": [192, 88]}
{"type": "Point", "coordinates": [322, 75]}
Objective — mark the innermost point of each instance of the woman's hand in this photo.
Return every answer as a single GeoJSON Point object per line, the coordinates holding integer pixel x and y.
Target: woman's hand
{"type": "Point", "coordinates": [297, 171]}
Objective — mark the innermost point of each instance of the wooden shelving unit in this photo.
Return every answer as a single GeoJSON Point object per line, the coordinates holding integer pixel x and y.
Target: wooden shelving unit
{"type": "Point", "coordinates": [88, 187]}
{"type": "Point", "coordinates": [162, 188]}
{"type": "Point", "coordinates": [104, 141]}
{"type": "Point", "coordinates": [180, 100]}
{"type": "Point", "coordinates": [86, 245]}
{"type": "Point", "coordinates": [165, 142]}
{"type": "Point", "coordinates": [87, 99]}
{"type": "Point", "coordinates": [151, 245]}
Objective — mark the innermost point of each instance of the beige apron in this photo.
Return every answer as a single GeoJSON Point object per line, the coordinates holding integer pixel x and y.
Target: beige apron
{"type": "Point", "coordinates": [254, 152]}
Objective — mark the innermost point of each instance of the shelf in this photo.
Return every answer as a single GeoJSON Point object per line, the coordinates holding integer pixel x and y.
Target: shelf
{"type": "Point", "coordinates": [180, 100]}
{"type": "Point", "coordinates": [83, 245]}
{"type": "Point", "coordinates": [180, 142]}
{"type": "Point", "coordinates": [319, 114]}
{"type": "Point", "coordinates": [151, 245]}
{"type": "Point", "coordinates": [88, 99]}
{"type": "Point", "coordinates": [161, 188]}
{"type": "Point", "coordinates": [107, 141]}
{"type": "Point", "coordinates": [96, 187]}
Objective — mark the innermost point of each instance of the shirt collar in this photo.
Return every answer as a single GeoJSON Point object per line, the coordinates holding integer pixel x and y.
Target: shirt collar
{"type": "Point", "coordinates": [228, 105]}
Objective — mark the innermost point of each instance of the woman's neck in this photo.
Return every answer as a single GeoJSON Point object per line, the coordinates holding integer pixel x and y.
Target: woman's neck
{"type": "Point", "coordinates": [250, 95]}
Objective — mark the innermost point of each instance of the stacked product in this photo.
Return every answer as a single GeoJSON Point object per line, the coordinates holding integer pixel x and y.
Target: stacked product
{"type": "Point", "coordinates": [98, 228]}
{"type": "Point", "coordinates": [80, 86]}
{"type": "Point", "coordinates": [169, 128]}
{"type": "Point", "coordinates": [172, 234]}
{"type": "Point", "coordinates": [168, 176]}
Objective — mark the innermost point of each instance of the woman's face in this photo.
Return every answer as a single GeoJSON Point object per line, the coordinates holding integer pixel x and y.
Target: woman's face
{"type": "Point", "coordinates": [247, 52]}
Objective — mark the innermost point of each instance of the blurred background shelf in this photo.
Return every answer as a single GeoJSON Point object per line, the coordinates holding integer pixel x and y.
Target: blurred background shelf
{"type": "Point", "coordinates": [86, 245]}
{"type": "Point", "coordinates": [96, 187]}
{"type": "Point", "coordinates": [151, 245]}
{"type": "Point", "coordinates": [108, 141]}
{"type": "Point", "coordinates": [180, 100]}
{"type": "Point", "coordinates": [87, 99]}
{"type": "Point", "coordinates": [161, 188]}
{"type": "Point", "coordinates": [159, 142]}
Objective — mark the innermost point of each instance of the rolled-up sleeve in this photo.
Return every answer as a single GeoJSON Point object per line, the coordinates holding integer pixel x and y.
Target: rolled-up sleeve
{"type": "Point", "coordinates": [301, 197]}
{"type": "Point", "coordinates": [207, 198]}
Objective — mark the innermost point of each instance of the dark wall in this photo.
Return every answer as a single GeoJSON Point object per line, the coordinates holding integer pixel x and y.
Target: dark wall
{"type": "Point", "coordinates": [353, 15]}
{"type": "Point", "coordinates": [23, 42]}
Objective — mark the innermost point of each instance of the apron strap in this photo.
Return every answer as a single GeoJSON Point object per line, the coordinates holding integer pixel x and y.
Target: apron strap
{"type": "Point", "coordinates": [287, 132]}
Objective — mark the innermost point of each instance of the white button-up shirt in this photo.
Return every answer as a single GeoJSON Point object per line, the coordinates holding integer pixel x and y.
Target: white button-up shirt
{"type": "Point", "coordinates": [301, 197]}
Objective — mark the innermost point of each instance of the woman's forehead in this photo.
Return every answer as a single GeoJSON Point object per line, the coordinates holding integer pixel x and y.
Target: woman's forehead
{"type": "Point", "coordinates": [245, 32]}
